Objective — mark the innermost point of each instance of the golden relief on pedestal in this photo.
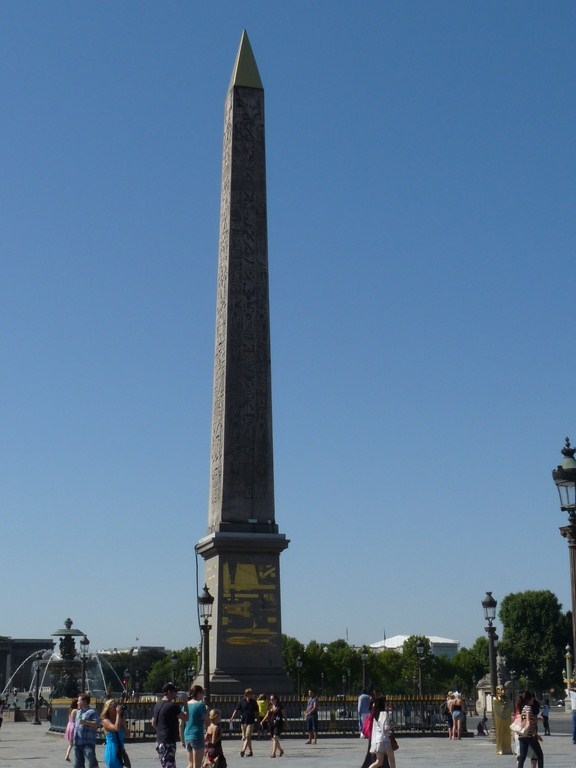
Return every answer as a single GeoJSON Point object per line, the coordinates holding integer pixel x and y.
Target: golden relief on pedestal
{"type": "Point", "coordinates": [249, 603]}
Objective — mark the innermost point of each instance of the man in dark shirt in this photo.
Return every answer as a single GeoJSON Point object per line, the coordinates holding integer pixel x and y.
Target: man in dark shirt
{"type": "Point", "coordinates": [166, 720]}
{"type": "Point", "coordinates": [248, 709]}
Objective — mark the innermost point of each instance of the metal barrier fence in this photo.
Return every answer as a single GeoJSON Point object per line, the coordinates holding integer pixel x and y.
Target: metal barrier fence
{"type": "Point", "coordinates": [337, 715]}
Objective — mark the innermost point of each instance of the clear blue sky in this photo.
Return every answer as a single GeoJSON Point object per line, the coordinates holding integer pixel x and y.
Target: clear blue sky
{"type": "Point", "coordinates": [421, 201]}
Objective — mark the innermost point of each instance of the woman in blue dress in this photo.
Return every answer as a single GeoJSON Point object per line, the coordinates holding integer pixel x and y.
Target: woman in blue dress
{"type": "Point", "coordinates": [113, 721]}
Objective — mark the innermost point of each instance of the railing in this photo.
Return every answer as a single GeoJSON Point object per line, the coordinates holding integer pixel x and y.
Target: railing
{"type": "Point", "coordinates": [337, 715]}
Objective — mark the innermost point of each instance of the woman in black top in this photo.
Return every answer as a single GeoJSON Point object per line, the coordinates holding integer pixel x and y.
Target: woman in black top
{"type": "Point", "coordinates": [275, 719]}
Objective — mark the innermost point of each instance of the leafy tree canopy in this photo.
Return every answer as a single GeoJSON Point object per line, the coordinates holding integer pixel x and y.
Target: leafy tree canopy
{"type": "Point", "coordinates": [534, 635]}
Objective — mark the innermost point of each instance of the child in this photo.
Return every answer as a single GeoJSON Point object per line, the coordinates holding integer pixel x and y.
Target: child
{"type": "Point", "coordinates": [214, 753]}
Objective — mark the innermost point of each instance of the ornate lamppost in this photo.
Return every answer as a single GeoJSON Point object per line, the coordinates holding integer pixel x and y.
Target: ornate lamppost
{"type": "Point", "coordinates": [39, 657]}
{"type": "Point", "coordinates": [364, 659]}
{"type": "Point", "coordinates": [565, 478]}
{"type": "Point", "coordinates": [205, 605]}
{"type": "Point", "coordinates": [126, 681]}
{"type": "Point", "coordinates": [173, 662]}
{"type": "Point", "coordinates": [489, 604]}
{"type": "Point", "coordinates": [190, 672]}
{"type": "Point", "coordinates": [568, 676]}
{"type": "Point", "coordinates": [84, 658]}
{"type": "Point", "coordinates": [420, 652]}
{"type": "Point", "coordinates": [298, 671]}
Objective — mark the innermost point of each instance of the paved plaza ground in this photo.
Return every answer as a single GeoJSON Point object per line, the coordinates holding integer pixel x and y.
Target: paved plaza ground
{"type": "Point", "coordinates": [24, 744]}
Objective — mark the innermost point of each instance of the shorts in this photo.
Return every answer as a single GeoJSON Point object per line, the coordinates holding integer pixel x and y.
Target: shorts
{"type": "Point", "coordinates": [167, 754]}
{"type": "Point", "coordinates": [195, 744]}
{"type": "Point", "coordinates": [312, 723]}
{"type": "Point", "coordinates": [382, 746]}
{"type": "Point", "coordinates": [457, 714]}
{"type": "Point", "coordinates": [247, 730]}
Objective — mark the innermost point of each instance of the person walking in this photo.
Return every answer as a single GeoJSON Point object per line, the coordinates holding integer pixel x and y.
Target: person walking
{"type": "Point", "coordinates": [263, 706]}
{"type": "Point", "coordinates": [85, 733]}
{"type": "Point", "coordinates": [248, 709]}
{"type": "Point", "coordinates": [546, 717]}
{"type": "Point", "coordinates": [214, 751]}
{"type": "Point", "coordinates": [530, 738]}
{"type": "Point", "coordinates": [363, 710]}
{"type": "Point", "coordinates": [380, 742]}
{"type": "Point", "coordinates": [275, 719]}
{"type": "Point", "coordinates": [113, 719]}
{"type": "Point", "coordinates": [311, 718]}
{"type": "Point", "coordinates": [69, 732]}
{"type": "Point", "coordinates": [192, 729]}
{"type": "Point", "coordinates": [166, 719]}
{"type": "Point", "coordinates": [571, 694]}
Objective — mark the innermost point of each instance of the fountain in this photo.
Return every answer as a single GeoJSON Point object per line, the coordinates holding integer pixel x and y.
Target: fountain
{"type": "Point", "coordinates": [59, 676]}
{"type": "Point", "coordinates": [71, 672]}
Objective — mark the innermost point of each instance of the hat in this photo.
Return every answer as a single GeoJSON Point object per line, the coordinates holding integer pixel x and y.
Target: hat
{"type": "Point", "coordinates": [168, 687]}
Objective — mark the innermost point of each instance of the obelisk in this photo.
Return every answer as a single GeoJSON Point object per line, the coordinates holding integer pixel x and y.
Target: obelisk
{"type": "Point", "coordinates": [242, 546]}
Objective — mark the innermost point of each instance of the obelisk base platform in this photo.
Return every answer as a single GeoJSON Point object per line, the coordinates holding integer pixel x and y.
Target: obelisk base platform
{"type": "Point", "coordinates": [242, 572]}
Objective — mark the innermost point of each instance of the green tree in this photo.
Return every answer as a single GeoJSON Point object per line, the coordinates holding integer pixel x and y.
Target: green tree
{"type": "Point", "coordinates": [162, 671]}
{"type": "Point", "coordinates": [384, 671]}
{"type": "Point", "coordinates": [533, 636]}
{"type": "Point", "coordinates": [292, 649]}
{"type": "Point", "coordinates": [469, 665]}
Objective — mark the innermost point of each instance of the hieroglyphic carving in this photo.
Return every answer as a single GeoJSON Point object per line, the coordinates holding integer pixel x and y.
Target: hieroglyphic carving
{"type": "Point", "coordinates": [241, 470]}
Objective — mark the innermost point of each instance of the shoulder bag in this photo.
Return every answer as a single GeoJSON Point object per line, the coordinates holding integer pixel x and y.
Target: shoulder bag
{"type": "Point", "coordinates": [520, 727]}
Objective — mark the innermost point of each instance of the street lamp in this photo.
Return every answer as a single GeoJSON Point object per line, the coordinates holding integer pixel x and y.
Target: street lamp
{"type": "Point", "coordinates": [173, 662]}
{"type": "Point", "coordinates": [344, 686]}
{"type": "Point", "coordinates": [36, 720]}
{"type": "Point", "coordinates": [513, 679]}
{"type": "Point", "coordinates": [569, 670]}
{"type": "Point", "coordinates": [299, 670]}
{"type": "Point", "coordinates": [190, 672]}
{"type": "Point", "coordinates": [420, 652]}
{"type": "Point", "coordinates": [84, 657]}
{"type": "Point", "coordinates": [489, 605]}
{"type": "Point", "coordinates": [565, 478]}
{"type": "Point", "coordinates": [126, 681]}
{"type": "Point", "coordinates": [364, 659]}
{"type": "Point", "coordinates": [205, 605]}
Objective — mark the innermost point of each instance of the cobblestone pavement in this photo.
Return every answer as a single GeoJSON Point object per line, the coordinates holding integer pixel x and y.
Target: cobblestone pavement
{"type": "Point", "coordinates": [24, 744]}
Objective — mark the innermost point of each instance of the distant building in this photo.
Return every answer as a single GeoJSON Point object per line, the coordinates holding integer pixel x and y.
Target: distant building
{"type": "Point", "coordinates": [16, 660]}
{"type": "Point", "coordinates": [440, 646]}
{"type": "Point", "coordinates": [134, 651]}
